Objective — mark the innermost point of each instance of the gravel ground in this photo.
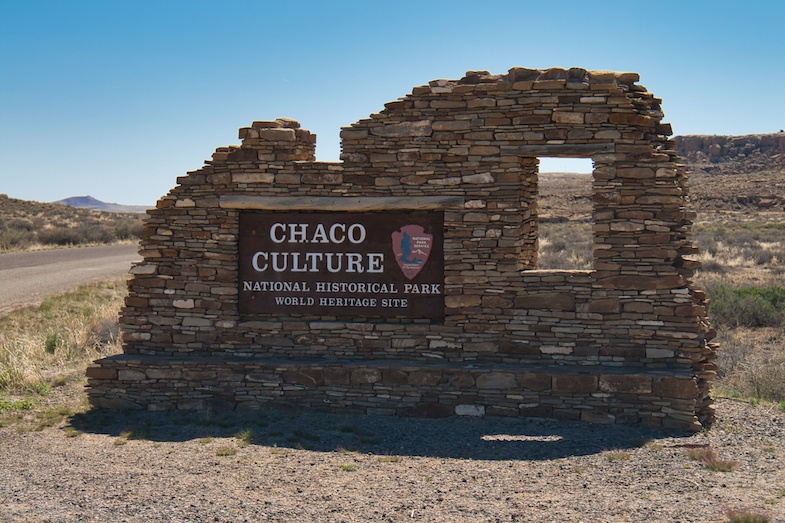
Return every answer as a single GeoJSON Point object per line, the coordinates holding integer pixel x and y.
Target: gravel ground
{"type": "Point", "coordinates": [296, 467]}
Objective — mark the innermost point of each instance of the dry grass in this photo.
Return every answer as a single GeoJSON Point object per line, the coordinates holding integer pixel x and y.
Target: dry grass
{"type": "Point", "coordinates": [566, 245]}
{"type": "Point", "coordinates": [741, 252]}
{"type": "Point", "coordinates": [28, 225]}
{"type": "Point", "coordinates": [52, 343]}
{"type": "Point", "coordinates": [746, 516]}
{"type": "Point", "coordinates": [709, 459]}
{"type": "Point", "coordinates": [751, 363]}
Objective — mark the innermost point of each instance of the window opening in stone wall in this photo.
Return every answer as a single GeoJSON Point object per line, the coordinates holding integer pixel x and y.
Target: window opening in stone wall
{"type": "Point", "coordinates": [565, 213]}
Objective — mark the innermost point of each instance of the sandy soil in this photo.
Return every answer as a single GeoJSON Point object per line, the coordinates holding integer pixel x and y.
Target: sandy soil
{"type": "Point", "coordinates": [103, 466]}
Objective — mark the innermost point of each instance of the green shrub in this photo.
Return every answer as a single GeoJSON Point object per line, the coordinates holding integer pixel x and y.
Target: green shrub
{"type": "Point", "coordinates": [8, 405]}
{"type": "Point", "coordinates": [51, 343]}
{"type": "Point", "coordinates": [746, 306]}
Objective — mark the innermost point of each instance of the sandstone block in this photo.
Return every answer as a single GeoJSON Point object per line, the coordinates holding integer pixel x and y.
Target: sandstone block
{"type": "Point", "coordinates": [451, 125]}
{"type": "Point", "coordinates": [354, 134]}
{"type": "Point", "coordinates": [131, 375]}
{"type": "Point", "coordinates": [567, 117]}
{"type": "Point", "coordinates": [420, 378]}
{"type": "Point", "coordinates": [626, 384]}
{"type": "Point", "coordinates": [336, 376]}
{"type": "Point", "coordinates": [361, 376]}
{"type": "Point", "coordinates": [322, 178]}
{"type": "Point", "coordinates": [478, 178]}
{"type": "Point", "coordinates": [183, 304]}
{"type": "Point", "coordinates": [483, 150]}
{"type": "Point", "coordinates": [307, 377]}
{"type": "Point", "coordinates": [277, 135]}
{"type": "Point", "coordinates": [477, 411]}
{"type": "Point", "coordinates": [605, 306]}
{"type": "Point", "coordinates": [462, 381]}
{"type": "Point", "coordinates": [158, 374]}
{"type": "Point", "coordinates": [546, 300]}
{"type": "Point", "coordinates": [461, 301]}
{"type": "Point", "coordinates": [574, 383]}
{"type": "Point", "coordinates": [262, 177]}
{"type": "Point", "coordinates": [393, 376]}
{"type": "Point", "coordinates": [264, 377]}
{"type": "Point", "coordinates": [536, 381]}
{"type": "Point", "coordinates": [101, 373]}
{"type": "Point", "coordinates": [496, 380]}
{"type": "Point", "coordinates": [675, 387]}
{"type": "Point", "coordinates": [404, 129]}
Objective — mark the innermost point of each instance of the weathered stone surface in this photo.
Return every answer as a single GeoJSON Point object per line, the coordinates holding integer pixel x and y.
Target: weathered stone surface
{"type": "Point", "coordinates": [97, 372]}
{"type": "Point", "coordinates": [477, 411]}
{"type": "Point", "coordinates": [366, 375]}
{"type": "Point", "coordinates": [404, 129]}
{"type": "Point", "coordinates": [536, 381]}
{"type": "Point", "coordinates": [452, 125]}
{"type": "Point", "coordinates": [518, 341]}
{"type": "Point", "coordinates": [307, 377]}
{"type": "Point", "coordinates": [675, 387]}
{"type": "Point", "coordinates": [278, 135]}
{"type": "Point", "coordinates": [496, 380]}
{"type": "Point", "coordinates": [455, 302]}
{"type": "Point", "coordinates": [131, 375]}
{"type": "Point", "coordinates": [157, 374]}
{"type": "Point", "coordinates": [336, 376]}
{"type": "Point", "coordinates": [626, 384]}
{"type": "Point", "coordinates": [549, 300]}
{"type": "Point", "coordinates": [574, 383]}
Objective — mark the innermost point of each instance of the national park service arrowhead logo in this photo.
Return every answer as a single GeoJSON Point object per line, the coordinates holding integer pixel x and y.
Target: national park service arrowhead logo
{"type": "Point", "coordinates": [411, 247]}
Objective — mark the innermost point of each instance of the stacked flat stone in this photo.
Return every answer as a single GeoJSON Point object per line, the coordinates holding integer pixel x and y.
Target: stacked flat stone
{"type": "Point", "coordinates": [627, 341]}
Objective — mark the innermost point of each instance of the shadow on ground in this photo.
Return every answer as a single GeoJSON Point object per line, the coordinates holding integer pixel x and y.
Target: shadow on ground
{"type": "Point", "coordinates": [460, 438]}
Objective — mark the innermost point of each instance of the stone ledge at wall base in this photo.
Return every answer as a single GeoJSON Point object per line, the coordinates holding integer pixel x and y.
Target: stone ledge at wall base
{"type": "Point", "coordinates": [406, 388]}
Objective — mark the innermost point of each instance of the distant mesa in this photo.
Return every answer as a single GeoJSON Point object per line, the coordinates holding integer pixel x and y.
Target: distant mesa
{"type": "Point", "coordinates": [88, 202]}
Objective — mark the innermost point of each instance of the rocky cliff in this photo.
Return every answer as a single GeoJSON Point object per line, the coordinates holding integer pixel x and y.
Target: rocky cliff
{"type": "Point", "coordinates": [716, 149]}
{"type": "Point", "coordinates": [736, 175]}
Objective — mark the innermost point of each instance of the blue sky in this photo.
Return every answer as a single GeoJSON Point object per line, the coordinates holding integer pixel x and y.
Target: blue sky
{"type": "Point", "coordinates": [115, 99]}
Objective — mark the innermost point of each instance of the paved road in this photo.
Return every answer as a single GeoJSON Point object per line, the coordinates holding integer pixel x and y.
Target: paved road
{"type": "Point", "coordinates": [26, 278]}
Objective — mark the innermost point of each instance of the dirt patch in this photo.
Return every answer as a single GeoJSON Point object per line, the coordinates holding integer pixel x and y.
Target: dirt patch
{"type": "Point", "coordinates": [280, 465]}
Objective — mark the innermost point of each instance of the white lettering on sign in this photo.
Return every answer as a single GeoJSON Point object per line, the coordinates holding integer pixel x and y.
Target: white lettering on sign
{"type": "Point", "coordinates": [298, 233]}
{"type": "Point", "coordinates": [276, 286]}
{"type": "Point", "coordinates": [334, 262]}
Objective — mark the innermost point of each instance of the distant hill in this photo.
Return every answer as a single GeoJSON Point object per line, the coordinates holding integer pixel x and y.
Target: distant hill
{"type": "Point", "coordinates": [88, 202]}
{"type": "Point", "coordinates": [28, 224]}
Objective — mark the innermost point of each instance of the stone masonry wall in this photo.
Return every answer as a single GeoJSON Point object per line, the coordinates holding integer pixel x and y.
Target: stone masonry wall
{"type": "Point", "coordinates": [472, 146]}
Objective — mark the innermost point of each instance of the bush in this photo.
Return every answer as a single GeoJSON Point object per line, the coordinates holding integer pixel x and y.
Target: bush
{"type": "Point", "coordinates": [751, 363]}
{"type": "Point", "coordinates": [59, 236]}
{"type": "Point", "coordinates": [746, 306]}
{"type": "Point", "coordinates": [13, 239]}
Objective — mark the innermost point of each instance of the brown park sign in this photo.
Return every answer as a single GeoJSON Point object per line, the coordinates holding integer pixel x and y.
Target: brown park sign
{"type": "Point", "coordinates": [384, 264]}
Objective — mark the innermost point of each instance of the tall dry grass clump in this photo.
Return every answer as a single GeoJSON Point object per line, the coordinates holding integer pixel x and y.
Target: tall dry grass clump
{"type": "Point", "coordinates": [751, 363]}
{"type": "Point", "coordinates": [56, 340]}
